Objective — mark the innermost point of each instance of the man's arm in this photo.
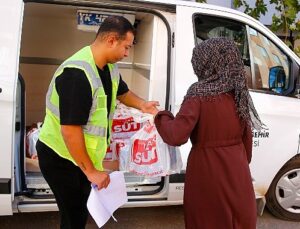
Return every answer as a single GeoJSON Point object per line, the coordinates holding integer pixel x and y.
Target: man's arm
{"type": "Point", "coordinates": [75, 101]}
{"type": "Point", "coordinates": [74, 139]}
{"type": "Point", "coordinates": [132, 100]}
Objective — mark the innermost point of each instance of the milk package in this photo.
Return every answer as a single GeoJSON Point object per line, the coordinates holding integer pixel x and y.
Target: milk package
{"type": "Point", "coordinates": [138, 147]}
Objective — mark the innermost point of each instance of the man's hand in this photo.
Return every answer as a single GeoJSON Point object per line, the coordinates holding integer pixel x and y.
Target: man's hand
{"type": "Point", "coordinates": [99, 178]}
{"type": "Point", "coordinates": [74, 139]}
{"type": "Point", "coordinates": [132, 100]}
{"type": "Point", "coordinates": [149, 107]}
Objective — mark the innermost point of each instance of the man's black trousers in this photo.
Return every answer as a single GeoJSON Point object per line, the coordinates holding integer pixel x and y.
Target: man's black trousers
{"type": "Point", "coordinates": [70, 186]}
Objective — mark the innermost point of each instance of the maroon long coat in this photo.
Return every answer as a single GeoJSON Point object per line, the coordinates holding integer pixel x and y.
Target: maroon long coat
{"type": "Point", "coordinates": [218, 191]}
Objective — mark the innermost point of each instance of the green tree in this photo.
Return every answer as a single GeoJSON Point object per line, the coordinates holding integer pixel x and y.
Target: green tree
{"type": "Point", "coordinates": [255, 12]}
{"type": "Point", "coordinates": [285, 20]}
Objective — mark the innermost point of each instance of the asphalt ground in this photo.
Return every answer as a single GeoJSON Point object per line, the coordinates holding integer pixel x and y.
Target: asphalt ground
{"type": "Point", "coordinates": [133, 218]}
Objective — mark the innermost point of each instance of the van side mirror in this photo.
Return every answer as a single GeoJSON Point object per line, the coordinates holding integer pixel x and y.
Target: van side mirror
{"type": "Point", "coordinates": [277, 79]}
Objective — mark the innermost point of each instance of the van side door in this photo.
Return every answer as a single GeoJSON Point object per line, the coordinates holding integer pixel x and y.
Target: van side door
{"type": "Point", "coordinates": [194, 25]}
{"type": "Point", "coordinates": [11, 12]}
{"type": "Point", "coordinates": [271, 69]}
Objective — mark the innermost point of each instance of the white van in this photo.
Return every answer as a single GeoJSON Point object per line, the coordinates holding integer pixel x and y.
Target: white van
{"type": "Point", "coordinates": [37, 35]}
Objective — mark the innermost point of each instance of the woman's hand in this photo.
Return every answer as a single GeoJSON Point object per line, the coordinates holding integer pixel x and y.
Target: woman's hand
{"type": "Point", "coordinates": [149, 107]}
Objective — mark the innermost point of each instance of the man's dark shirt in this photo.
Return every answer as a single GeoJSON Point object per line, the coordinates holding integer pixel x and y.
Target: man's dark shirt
{"type": "Point", "coordinates": [75, 94]}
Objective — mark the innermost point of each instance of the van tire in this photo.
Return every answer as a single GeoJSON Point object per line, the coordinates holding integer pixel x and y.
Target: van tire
{"type": "Point", "coordinates": [289, 171]}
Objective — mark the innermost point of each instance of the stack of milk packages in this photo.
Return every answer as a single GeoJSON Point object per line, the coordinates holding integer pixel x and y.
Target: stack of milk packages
{"type": "Point", "coordinates": [137, 145]}
{"type": "Point", "coordinates": [126, 122]}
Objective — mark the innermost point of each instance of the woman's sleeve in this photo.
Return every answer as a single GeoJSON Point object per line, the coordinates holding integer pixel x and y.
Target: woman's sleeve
{"type": "Point", "coordinates": [177, 130]}
{"type": "Point", "coordinates": [247, 140]}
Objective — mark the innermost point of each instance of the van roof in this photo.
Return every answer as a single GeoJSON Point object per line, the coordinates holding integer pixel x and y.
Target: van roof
{"type": "Point", "coordinates": [165, 5]}
{"type": "Point", "coordinates": [170, 5]}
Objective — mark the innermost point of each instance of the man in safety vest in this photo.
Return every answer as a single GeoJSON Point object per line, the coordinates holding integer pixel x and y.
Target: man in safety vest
{"type": "Point", "coordinates": [80, 104]}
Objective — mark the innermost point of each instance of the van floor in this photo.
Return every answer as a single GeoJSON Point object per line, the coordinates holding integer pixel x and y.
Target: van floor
{"type": "Point", "coordinates": [35, 181]}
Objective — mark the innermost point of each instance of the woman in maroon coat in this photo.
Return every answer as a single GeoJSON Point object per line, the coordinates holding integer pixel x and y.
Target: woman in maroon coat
{"type": "Point", "coordinates": [217, 114]}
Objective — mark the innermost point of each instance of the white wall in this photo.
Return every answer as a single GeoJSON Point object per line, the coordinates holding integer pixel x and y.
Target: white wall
{"type": "Point", "coordinates": [47, 33]}
{"type": "Point", "coordinates": [142, 58]}
{"type": "Point", "coordinates": [50, 31]}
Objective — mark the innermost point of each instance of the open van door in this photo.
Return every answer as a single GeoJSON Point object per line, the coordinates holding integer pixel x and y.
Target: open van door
{"type": "Point", "coordinates": [184, 74]}
{"type": "Point", "coordinates": [11, 12]}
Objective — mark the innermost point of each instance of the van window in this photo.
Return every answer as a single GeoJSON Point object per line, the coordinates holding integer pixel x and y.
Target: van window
{"type": "Point", "coordinates": [270, 64]}
{"type": "Point", "coordinates": [206, 27]}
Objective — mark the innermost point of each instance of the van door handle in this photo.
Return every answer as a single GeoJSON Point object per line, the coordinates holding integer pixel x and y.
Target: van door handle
{"type": "Point", "coordinates": [0, 89]}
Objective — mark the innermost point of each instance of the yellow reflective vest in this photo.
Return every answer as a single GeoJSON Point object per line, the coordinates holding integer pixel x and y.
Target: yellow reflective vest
{"type": "Point", "coordinates": [98, 126]}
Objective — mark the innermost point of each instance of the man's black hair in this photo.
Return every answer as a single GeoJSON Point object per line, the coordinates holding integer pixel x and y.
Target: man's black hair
{"type": "Point", "coordinates": [117, 24]}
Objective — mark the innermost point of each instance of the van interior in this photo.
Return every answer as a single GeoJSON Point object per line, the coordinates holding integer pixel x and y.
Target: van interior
{"type": "Point", "coordinates": [50, 34]}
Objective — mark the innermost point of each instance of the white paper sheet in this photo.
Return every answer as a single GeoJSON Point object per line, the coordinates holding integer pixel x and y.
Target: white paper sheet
{"type": "Point", "coordinates": [102, 203]}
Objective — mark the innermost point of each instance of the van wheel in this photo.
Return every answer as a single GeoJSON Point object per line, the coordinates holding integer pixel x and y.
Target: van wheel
{"type": "Point", "coordinates": [283, 196]}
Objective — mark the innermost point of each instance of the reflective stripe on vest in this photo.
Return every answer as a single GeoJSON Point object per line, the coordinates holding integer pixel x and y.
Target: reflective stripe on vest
{"type": "Point", "coordinates": [98, 125]}
{"type": "Point", "coordinates": [89, 129]}
{"type": "Point", "coordinates": [114, 75]}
